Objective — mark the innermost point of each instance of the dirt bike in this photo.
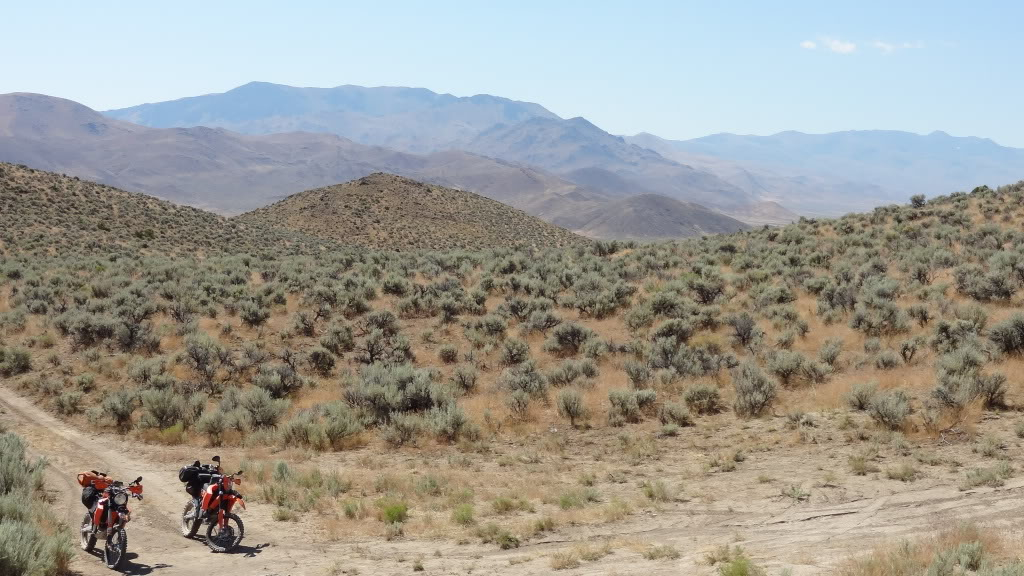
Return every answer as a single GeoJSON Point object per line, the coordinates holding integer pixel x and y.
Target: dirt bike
{"type": "Point", "coordinates": [108, 519]}
{"type": "Point", "coordinates": [214, 506]}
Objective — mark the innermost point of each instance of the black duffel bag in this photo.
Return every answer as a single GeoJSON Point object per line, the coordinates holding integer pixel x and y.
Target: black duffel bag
{"type": "Point", "coordinates": [189, 474]}
{"type": "Point", "coordinates": [89, 496]}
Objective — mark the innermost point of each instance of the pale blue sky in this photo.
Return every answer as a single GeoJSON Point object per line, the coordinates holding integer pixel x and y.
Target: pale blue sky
{"type": "Point", "coordinates": [677, 69]}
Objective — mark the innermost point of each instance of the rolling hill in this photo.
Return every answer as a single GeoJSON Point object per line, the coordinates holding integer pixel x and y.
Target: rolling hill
{"type": "Point", "coordinates": [653, 217]}
{"type": "Point", "coordinates": [55, 214]}
{"type": "Point", "coordinates": [385, 211]}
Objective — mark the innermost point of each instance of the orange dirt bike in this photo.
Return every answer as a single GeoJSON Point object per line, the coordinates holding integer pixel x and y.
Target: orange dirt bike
{"type": "Point", "coordinates": [107, 500]}
{"type": "Point", "coordinates": [213, 505]}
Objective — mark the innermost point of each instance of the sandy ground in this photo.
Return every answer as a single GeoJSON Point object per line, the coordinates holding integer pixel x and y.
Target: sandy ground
{"type": "Point", "coordinates": [808, 537]}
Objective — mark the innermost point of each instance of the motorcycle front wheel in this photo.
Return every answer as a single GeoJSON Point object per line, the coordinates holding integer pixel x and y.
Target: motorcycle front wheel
{"type": "Point", "coordinates": [115, 549]}
{"type": "Point", "coordinates": [88, 539]}
{"type": "Point", "coordinates": [225, 539]}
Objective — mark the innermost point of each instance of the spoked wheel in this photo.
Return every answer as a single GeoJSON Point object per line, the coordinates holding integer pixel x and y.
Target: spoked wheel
{"type": "Point", "coordinates": [88, 539]}
{"type": "Point", "coordinates": [115, 549]}
{"type": "Point", "coordinates": [224, 539]}
{"type": "Point", "coordinates": [190, 520]}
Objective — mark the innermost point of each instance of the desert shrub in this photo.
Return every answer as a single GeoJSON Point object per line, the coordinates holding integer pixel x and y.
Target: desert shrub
{"type": "Point", "coordinates": [890, 409]}
{"type": "Point", "coordinates": [212, 424]}
{"type": "Point", "coordinates": [119, 406]}
{"type": "Point", "coordinates": [401, 429]}
{"type": "Point", "coordinates": [624, 407]}
{"type": "Point", "coordinates": [464, 378]}
{"type": "Point", "coordinates": [253, 313]}
{"type": "Point", "coordinates": [518, 404]}
{"type": "Point", "coordinates": [639, 373]}
{"type": "Point", "coordinates": [384, 391]}
{"type": "Point", "coordinates": [570, 371]}
{"type": "Point", "coordinates": [567, 339]}
{"type": "Point", "coordinates": [755, 392]}
{"type": "Point", "coordinates": [321, 361]}
{"type": "Point", "coordinates": [304, 324]}
{"type": "Point", "coordinates": [862, 395]}
{"type": "Point", "coordinates": [68, 403]}
{"type": "Point", "coordinates": [570, 405]}
{"type": "Point", "coordinates": [278, 380]}
{"type": "Point", "coordinates": [831, 351]}
{"type": "Point", "coordinates": [786, 364]}
{"type": "Point", "coordinates": [448, 354]}
{"type": "Point", "coordinates": [524, 378]}
{"type": "Point", "coordinates": [910, 347]}
{"type": "Point", "coordinates": [514, 351]}
{"type": "Point", "coordinates": [448, 422]}
{"type": "Point", "coordinates": [338, 338]}
{"type": "Point", "coordinates": [31, 541]}
{"type": "Point", "coordinates": [1008, 336]}
{"type": "Point", "coordinates": [745, 331]}
{"type": "Point", "coordinates": [264, 410]}
{"type": "Point", "coordinates": [679, 330]}
{"type": "Point", "coordinates": [673, 413]}
{"type": "Point", "coordinates": [703, 399]}
{"type": "Point", "coordinates": [542, 321]}
{"type": "Point", "coordinates": [887, 360]}
{"type": "Point", "coordinates": [163, 408]}
{"type": "Point", "coordinates": [203, 355]}
{"type": "Point", "coordinates": [920, 313]}
{"type": "Point", "coordinates": [14, 361]}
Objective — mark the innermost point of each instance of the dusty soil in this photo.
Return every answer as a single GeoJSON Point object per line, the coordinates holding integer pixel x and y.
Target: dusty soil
{"type": "Point", "coordinates": [844, 515]}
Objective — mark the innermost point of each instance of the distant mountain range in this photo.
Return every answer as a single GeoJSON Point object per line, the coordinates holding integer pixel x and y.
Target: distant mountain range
{"type": "Point", "coordinates": [406, 119]}
{"type": "Point", "coordinates": [231, 173]}
{"type": "Point", "coordinates": [750, 177]}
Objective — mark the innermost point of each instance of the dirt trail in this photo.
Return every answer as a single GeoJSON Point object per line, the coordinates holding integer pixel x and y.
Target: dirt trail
{"type": "Point", "coordinates": [810, 538]}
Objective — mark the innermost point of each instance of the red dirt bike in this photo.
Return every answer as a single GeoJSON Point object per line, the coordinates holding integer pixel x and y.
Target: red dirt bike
{"type": "Point", "coordinates": [108, 519]}
{"type": "Point", "coordinates": [214, 506]}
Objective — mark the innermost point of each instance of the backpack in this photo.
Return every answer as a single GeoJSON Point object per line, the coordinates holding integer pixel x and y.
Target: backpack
{"type": "Point", "coordinates": [89, 496]}
{"type": "Point", "coordinates": [188, 474]}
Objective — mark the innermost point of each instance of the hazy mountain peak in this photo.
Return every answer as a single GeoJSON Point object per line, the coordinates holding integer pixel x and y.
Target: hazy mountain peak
{"type": "Point", "coordinates": [408, 119]}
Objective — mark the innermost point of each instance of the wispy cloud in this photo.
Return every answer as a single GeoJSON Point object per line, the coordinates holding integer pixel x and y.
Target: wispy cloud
{"type": "Point", "coordinates": [831, 44]}
{"type": "Point", "coordinates": [890, 47]}
{"type": "Point", "coordinates": [839, 46]}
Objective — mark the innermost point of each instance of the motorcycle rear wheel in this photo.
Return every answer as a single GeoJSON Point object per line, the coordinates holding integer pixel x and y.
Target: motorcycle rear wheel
{"type": "Point", "coordinates": [190, 527]}
{"type": "Point", "coordinates": [88, 539]}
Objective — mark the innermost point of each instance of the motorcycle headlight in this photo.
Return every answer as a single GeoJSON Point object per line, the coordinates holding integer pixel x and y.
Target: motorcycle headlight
{"type": "Point", "coordinates": [121, 498]}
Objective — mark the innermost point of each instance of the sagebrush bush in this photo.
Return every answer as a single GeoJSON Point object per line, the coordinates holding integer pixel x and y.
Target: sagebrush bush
{"type": "Point", "coordinates": [755, 392]}
{"type": "Point", "coordinates": [862, 395]}
{"type": "Point", "coordinates": [703, 399]}
{"type": "Point", "coordinates": [31, 541]}
{"type": "Point", "coordinates": [890, 409]}
{"type": "Point", "coordinates": [567, 339]}
{"type": "Point", "coordinates": [570, 405]}
{"type": "Point", "coordinates": [524, 378]}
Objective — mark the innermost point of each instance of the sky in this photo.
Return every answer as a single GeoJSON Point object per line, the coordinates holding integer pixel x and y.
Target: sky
{"type": "Point", "coordinates": [675, 68]}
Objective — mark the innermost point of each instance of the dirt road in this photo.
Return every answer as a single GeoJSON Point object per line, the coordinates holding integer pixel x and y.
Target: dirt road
{"type": "Point", "coordinates": [809, 538]}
